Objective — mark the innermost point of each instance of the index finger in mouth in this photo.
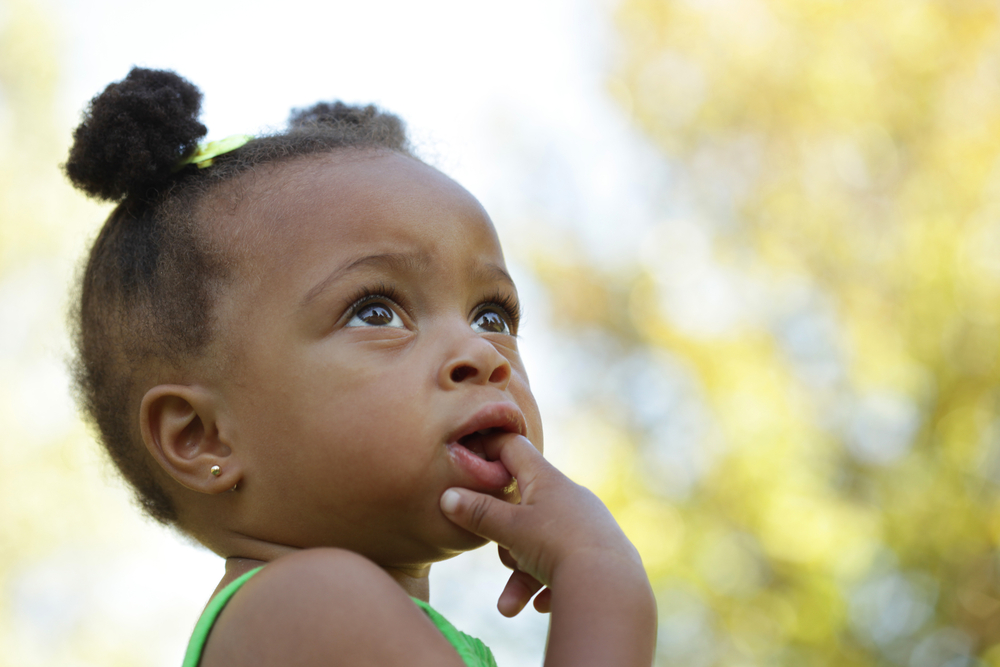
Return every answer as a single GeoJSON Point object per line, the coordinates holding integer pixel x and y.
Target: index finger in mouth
{"type": "Point", "coordinates": [516, 452]}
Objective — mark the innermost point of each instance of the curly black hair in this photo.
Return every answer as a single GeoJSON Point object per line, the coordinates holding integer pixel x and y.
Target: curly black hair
{"type": "Point", "coordinates": [147, 290]}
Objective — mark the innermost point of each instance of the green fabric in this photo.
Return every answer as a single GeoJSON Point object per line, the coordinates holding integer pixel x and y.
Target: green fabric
{"type": "Point", "coordinates": [200, 635]}
{"type": "Point", "coordinates": [474, 653]}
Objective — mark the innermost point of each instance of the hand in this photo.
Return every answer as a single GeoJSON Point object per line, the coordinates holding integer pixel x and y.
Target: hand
{"type": "Point", "coordinates": [557, 520]}
{"type": "Point", "coordinates": [519, 589]}
{"type": "Point", "coordinates": [563, 537]}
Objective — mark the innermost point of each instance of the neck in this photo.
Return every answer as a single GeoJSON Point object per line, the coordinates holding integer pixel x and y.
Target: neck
{"type": "Point", "coordinates": [415, 581]}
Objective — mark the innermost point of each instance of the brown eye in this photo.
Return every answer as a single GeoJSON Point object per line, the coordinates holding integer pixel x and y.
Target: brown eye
{"type": "Point", "coordinates": [375, 314]}
{"type": "Point", "coordinates": [490, 321]}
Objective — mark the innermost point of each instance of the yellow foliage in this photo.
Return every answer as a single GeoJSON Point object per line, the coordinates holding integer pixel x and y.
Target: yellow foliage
{"type": "Point", "coordinates": [850, 506]}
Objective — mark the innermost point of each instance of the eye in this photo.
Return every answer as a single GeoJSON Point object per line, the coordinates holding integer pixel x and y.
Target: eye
{"type": "Point", "coordinates": [490, 321]}
{"type": "Point", "coordinates": [497, 313]}
{"type": "Point", "coordinates": [375, 314]}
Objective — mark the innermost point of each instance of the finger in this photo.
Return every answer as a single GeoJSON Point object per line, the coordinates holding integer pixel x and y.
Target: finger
{"type": "Point", "coordinates": [519, 456]}
{"type": "Point", "coordinates": [479, 513]}
{"type": "Point", "coordinates": [543, 601]}
{"type": "Point", "coordinates": [519, 589]}
{"type": "Point", "coordinates": [506, 558]}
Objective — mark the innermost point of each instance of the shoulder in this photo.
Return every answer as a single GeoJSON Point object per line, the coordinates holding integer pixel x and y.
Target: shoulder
{"type": "Point", "coordinates": [324, 607]}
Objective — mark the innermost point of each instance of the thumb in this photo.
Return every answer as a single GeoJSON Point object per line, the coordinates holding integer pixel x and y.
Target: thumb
{"type": "Point", "coordinates": [479, 513]}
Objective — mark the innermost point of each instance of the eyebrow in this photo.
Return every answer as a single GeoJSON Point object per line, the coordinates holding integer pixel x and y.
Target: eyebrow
{"type": "Point", "coordinates": [490, 272]}
{"type": "Point", "coordinates": [392, 262]}
{"type": "Point", "coordinates": [395, 263]}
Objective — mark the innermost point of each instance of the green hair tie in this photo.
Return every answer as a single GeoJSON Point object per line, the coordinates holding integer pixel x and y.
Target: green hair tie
{"type": "Point", "coordinates": [206, 153]}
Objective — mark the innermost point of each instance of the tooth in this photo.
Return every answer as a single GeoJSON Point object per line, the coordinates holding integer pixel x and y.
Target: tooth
{"type": "Point", "coordinates": [482, 431]}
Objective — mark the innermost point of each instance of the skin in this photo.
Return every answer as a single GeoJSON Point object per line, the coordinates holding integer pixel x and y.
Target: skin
{"type": "Point", "coordinates": [370, 324]}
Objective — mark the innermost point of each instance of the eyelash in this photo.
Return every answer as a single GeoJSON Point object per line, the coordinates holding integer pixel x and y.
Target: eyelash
{"type": "Point", "coordinates": [505, 301]}
{"type": "Point", "coordinates": [366, 294]}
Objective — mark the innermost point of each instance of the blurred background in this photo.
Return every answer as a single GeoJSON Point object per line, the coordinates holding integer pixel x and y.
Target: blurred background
{"type": "Point", "coordinates": [758, 243]}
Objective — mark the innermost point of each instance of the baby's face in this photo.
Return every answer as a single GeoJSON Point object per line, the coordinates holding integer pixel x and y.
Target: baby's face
{"type": "Point", "coordinates": [378, 340]}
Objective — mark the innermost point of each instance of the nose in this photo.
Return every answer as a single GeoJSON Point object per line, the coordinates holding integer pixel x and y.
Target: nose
{"type": "Point", "coordinates": [475, 360]}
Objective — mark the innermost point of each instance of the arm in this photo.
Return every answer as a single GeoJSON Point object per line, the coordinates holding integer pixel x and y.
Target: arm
{"type": "Point", "coordinates": [562, 536]}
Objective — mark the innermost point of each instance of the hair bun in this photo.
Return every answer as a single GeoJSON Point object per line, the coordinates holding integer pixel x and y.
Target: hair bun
{"type": "Point", "coordinates": [134, 133]}
{"type": "Point", "coordinates": [335, 114]}
{"type": "Point", "coordinates": [354, 125]}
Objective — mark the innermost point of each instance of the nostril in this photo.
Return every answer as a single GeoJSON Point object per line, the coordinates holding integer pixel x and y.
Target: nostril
{"type": "Point", "coordinates": [500, 374]}
{"type": "Point", "coordinates": [462, 373]}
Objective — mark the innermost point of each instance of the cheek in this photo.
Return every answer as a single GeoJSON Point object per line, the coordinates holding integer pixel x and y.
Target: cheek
{"type": "Point", "coordinates": [373, 402]}
{"type": "Point", "coordinates": [526, 401]}
{"type": "Point", "coordinates": [355, 401]}
{"type": "Point", "coordinates": [355, 373]}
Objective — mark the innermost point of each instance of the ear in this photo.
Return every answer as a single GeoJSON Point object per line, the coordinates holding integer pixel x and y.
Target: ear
{"type": "Point", "coordinates": [179, 428]}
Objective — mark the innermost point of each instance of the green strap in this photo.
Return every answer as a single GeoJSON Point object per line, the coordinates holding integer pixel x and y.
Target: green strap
{"type": "Point", "coordinates": [473, 652]}
{"type": "Point", "coordinates": [200, 635]}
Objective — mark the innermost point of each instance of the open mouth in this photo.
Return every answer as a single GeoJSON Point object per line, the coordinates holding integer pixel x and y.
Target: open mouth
{"type": "Point", "coordinates": [476, 442]}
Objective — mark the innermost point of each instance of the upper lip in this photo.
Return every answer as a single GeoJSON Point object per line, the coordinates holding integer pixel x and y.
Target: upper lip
{"type": "Point", "coordinates": [503, 416]}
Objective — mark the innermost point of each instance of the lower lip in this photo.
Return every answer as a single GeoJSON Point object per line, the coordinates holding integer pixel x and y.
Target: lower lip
{"type": "Point", "coordinates": [487, 475]}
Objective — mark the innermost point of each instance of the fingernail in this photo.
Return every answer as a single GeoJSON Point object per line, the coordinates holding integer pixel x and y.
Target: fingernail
{"type": "Point", "coordinates": [449, 501]}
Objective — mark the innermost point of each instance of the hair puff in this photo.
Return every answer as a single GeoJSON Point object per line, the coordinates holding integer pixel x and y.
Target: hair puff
{"type": "Point", "coordinates": [134, 133]}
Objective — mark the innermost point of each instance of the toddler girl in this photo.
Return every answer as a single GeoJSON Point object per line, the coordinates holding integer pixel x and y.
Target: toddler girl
{"type": "Point", "coordinates": [300, 350]}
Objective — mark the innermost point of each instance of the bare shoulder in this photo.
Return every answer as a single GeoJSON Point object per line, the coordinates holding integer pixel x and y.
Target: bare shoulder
{"type": "Point", "coordinates": [324, 607]}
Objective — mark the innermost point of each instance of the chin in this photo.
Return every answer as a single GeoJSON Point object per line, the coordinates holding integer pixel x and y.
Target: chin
{"type": "Point", "coordinates": [448, 541]}
{"type": "Point", "coordinates": [472, 541]}
{"type": "Point", "coordinates": [458, 541]}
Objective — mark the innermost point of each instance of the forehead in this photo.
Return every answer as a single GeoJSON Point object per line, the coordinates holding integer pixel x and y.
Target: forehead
{"type": "Point", "coordinates": [348, 202]}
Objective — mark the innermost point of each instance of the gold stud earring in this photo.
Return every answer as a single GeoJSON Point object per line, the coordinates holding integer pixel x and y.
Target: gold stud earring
{"type": "Point", "coordinates": [216, 470]}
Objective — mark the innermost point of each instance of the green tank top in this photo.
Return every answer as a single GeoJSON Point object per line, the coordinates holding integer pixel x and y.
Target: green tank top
{"type": "Point", "coordinates": [473, 652]}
